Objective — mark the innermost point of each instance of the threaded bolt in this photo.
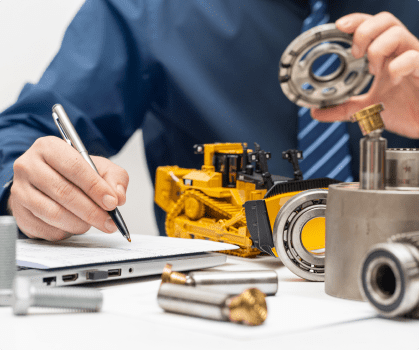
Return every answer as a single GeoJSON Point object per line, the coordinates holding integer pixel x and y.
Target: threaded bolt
{"type": "Point", "coordinates": [8, 236]}
{"type": "Point", "coordinates": [25, 295]}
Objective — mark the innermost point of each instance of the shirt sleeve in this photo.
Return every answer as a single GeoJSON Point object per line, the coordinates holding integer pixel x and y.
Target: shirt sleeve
{"type": "Point", "coordinates": [96, 76]}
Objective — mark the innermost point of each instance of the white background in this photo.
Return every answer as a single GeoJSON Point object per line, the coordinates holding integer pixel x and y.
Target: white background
{"type": "Point", "coordinates": [30, 35]}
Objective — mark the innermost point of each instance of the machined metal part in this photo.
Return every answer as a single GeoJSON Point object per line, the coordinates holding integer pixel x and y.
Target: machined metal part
{"type": "Point", "coordinates": [8, 236]}
{"type": "Point", "coordinates": [389, 277]}
{"type": "Point", "coordinates": [402, 168]}
{"type": "Point", "coordinates": [369, 119]}
{"type": "Point", "coordinates": [249, 307]}
{"type": "Point", "coordinates": [356, 220]}
{"type": "Point", "coordinates": [229, 282]}
{"type": "Point", "coordinates": [288, 227]}
{"type": "Point", "coordinates": [308, 89]}
{"type": "Point", "coordinates": [26, 295]}
{"type": "Point", "coordinates": [372, 165]}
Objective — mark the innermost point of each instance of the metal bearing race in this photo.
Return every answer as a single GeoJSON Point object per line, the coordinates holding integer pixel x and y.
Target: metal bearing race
{"type": "Point", "coordinates": [296, 69]}
{"type": "Point", "coordinates": [288, 226]}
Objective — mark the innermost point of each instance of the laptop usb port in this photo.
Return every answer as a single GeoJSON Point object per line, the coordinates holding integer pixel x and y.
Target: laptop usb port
{"type": "Point", "coordinates": [70, 278]}
{"type": "Point", "coordinates": [114, 273]}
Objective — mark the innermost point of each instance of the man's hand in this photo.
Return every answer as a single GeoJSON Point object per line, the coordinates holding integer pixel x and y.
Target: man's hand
{"type": "Point", "coordinates": [393, 54]}
{"type": "Point", "coordinates": [56, 194]}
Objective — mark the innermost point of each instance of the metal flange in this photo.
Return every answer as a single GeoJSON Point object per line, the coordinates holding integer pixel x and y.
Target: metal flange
{"type": "Point", "coordinates": [308, 88]}
{"type": "Point", "coordinates": [287, 231]}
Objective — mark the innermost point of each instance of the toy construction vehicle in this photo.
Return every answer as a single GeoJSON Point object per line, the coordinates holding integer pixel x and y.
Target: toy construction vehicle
{"type": "Point", "coordinates": [234, 199]}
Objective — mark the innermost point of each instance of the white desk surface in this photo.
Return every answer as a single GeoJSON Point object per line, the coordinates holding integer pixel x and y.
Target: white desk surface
{"type": "Point", "coordinates": [300, 316]}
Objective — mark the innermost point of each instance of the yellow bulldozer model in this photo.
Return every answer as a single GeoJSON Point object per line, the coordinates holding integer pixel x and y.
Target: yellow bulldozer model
{"type": "Point", "coordinates": [234, 199]}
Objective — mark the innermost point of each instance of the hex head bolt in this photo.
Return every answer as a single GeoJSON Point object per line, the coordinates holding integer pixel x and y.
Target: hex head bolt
{"type": "Point", "coordinates": [25, 295]}
{"type": "Point", "coordinates": [8, 236]}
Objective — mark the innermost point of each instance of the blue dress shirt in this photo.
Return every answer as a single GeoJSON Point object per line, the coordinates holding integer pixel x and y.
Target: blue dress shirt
{"type": "Point", "coordinates": [185, 72]}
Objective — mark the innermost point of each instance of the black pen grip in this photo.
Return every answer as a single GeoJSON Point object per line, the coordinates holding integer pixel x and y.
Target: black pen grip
{"type": "Point", "coordinates": [119, 222]}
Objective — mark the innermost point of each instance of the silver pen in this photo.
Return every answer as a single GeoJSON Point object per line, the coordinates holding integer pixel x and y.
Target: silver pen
{"type": "Point", "coordinates": [69, 134]}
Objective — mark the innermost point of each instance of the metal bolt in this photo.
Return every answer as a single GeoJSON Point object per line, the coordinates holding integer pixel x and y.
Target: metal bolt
{"type": "Point", "coordinates": [26, 295]}
{"type": "Point", "coordinates": [248, 307]}
{"type": "Point", "coordinates": [230, 282]}
{"type": "Point", "coordinates": [8, 236]}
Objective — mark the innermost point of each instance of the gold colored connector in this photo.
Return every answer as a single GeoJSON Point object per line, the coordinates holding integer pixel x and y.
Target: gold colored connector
{"type": "Point", "coordinates": [249, 307]}
{"type": "Point", "coordinates": [168, 276]}
{"type": "Point", "coordinates": [369, 119]}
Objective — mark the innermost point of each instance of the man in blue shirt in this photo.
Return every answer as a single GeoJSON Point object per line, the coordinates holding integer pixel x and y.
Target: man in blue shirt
{"type": "Point", "coordinates": [186, 73]}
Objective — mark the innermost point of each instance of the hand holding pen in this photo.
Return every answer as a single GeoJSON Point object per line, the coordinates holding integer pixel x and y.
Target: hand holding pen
{"type": "Point", "coordinates": [56, 193]}
{"type": "Point", "coordinates": [69, 134]}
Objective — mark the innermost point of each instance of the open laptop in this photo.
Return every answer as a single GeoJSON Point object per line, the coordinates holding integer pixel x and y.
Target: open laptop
{"type": "Point", "coordinates": [98, 257]}
{"type": "Point", "coordinates": [112, 271]}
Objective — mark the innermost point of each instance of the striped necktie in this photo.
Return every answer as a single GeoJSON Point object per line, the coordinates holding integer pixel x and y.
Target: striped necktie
{"type": "Point", "coordinates": [325, 146]}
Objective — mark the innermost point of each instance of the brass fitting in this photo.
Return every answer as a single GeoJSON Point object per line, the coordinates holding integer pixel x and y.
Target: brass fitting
{"type": "Point", "coordinates": [249, 307]}
{"type": "Point", "coordinates": [169, 276]}
{"type": "Point", "coordinates": [369, 118]}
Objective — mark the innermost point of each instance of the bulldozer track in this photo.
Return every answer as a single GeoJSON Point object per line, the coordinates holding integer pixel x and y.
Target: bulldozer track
{"type": "Point", "coordinates": [226, 210]}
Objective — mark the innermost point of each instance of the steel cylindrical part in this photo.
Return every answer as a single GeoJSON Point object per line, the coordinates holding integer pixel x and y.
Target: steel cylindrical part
{"type": "Point", "coordinates": [356, 220]}
{"type": "Point", "coordinates": [68, 298]}
{"type": "Point", "coordinates": [26, 295]}
{"type": "Point", "coordinates": [390, 279]}
{"type": "Point", "coordinates": [249, 307]}
{"type": "Point", "coordinates": [193, 301]}
{"type": "Point", "coordinates": [8, 236]}
{"type": "Point", "coordinates": [372, 168]}
{"type": "Point", "coordinates": [235, 282]}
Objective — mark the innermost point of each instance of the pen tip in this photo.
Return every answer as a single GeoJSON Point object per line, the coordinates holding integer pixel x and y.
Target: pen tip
{"type": "Point", "coordinates": [129, 240]}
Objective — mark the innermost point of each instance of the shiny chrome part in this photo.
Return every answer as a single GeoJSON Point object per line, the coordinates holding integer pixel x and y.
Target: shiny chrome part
{"type": "Point", "coordinates": [26, 295]}
{"type": "Point", "coordinates": [8, 236]}
{"type": "Point", "coordinates": [389, 277]}
{"type": "Point", "coordinates": [372, 165]}
{"type": "Point", "coordinates": [289, 224]}
{"type": "Point", "coordinates": [230, 282]}
{"type": "Point", "coordinates": [303, 87]}
{"type": "Point", "coordinates": [235, 282]}
{"type": "Point", "coordinates": [248, 307]}
{"type": "Point", "coordinates": [402, 169]}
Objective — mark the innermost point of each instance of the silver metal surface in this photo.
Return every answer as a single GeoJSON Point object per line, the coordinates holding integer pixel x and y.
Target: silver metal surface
{"type": "Point", "coordinates": [389, 277]}
{"type": "Point", "coordinates": [66, 128]}
{"type": "Point", "coordinates": [402, 168]}
{"type": "Point", "coordinates": [8, 236]}
{"type": "Point", "coordinates": [372, 165]}
{"type": "Point", "coordinates": [303, 87]}
{"type": "Point", "coordinates": [26, 295]}
{"type": "Point", "coordinates": [235, 282]}
{"type": "Point", "coordinates": [289, 224]}
{"type": "Point", "coordinates": [355, 221]}
{"type": "Point", "coordinates": [193, 301]}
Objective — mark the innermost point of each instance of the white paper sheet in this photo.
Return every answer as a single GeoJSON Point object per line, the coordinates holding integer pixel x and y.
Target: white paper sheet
{"type": "Point", "coordinates": [94, 248]}
{"type": "Point", "coordinates": [287, 314]}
